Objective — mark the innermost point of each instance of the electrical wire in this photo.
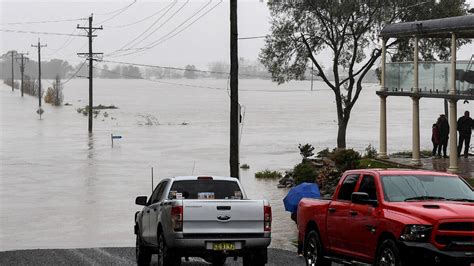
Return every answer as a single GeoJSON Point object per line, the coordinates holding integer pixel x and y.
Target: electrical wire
{"type": "Point", "coordinates": [164, 23]}
{"type": "Point", "coordinates": [44, 21]}
{"type": "Point", "coordinates": [75, 74]}
{"type": "Point", "coordinates": [188, 19]}
{"type": "Point", "coordinates": [141, 20]}
{"type": "Point", "coordinates": [44, 33]}
{"type": "Point", "coordinates": [117, 10]}
{"type": "Point", "coordinates": [149, 27]}
{"type": "Point", "coordinates": [253, 37]}
{"type": "Point", "coordinates": [199, 86]}
{"type": "Point", "coordinates": [120, 12]}
{"type": "Point", "coordinates": [158, 81]}
{"type": "Point", "coordinates": [142, 49]}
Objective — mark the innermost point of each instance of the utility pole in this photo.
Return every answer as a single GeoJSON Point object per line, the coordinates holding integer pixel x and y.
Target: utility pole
{"type": "Point", "coordinates": [312, 75]}
{"type": "Point", "coordinates": [13, 53]}
{"type": "Point", "coordinates": [234, 92]}
{"type": "Point", "coordinates": [90, 55]}
{"type": "Point", "coordinates": [23, 60]}
{"type": "Point", "coordinates": [40, 111]}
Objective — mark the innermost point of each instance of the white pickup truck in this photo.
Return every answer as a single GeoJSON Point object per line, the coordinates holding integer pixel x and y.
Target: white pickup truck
{"type": "Point", "coordinates": [202, 216]}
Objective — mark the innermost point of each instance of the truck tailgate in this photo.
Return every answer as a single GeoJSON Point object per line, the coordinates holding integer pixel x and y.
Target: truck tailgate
{"type": "Point", "coordinates": [222, 216]}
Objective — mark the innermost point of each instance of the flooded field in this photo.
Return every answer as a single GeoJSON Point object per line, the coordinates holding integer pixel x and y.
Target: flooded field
{"type": "Point", "coordinates": [61, 188]}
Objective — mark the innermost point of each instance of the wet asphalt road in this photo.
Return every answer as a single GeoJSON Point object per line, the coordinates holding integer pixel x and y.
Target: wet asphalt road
{"type": "Point", "coordinates": [118, 256]}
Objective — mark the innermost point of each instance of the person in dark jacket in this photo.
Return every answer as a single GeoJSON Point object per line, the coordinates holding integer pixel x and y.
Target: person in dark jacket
{"type": "Point", "coordinates": [435, 138]}
{"type": "Point", "coordinates": [465, 125]}
{"type": "Point", "coordinates": [443, 127]}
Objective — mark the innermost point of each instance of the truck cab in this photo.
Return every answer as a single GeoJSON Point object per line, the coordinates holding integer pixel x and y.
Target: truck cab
{"type": "Point", "coordinates": [391, 216]}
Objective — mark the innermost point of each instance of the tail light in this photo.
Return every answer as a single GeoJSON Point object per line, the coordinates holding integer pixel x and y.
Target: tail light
{"type": "Point", "coordinates": [177, 218]}
{"type": "Point", "coordinates": [267, 218]}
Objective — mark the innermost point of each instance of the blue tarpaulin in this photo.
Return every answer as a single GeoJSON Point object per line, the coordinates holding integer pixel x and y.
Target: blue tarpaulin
{"type": "Point", "coordinates": [303, 190]}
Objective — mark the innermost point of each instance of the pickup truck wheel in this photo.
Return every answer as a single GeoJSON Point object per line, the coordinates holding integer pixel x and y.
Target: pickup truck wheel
{"type": "Point", "coordinates": [165, 256]}
{"type": "Point", "coordinates": [313, 250]}
{"type": "Point", "coordinates": [388, 254]}
{"type": "Point", "coordinates": [143, 255]}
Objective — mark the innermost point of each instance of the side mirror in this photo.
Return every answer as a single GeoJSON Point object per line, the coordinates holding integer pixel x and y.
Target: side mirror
{"type": "Point", "coordinates": [141, 200]}
{"type": "Point", "coordinates": [362, 198]}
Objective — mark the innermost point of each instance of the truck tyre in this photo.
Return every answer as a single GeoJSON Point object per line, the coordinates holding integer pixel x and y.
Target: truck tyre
{"type": "Point", "coordinates": [256, 258]}
{"type": "Point", "coordinates": [165, 256]}
{"type": "Point", "coordinates": [313, 250]}
{"type": "Point", "coordinates": [142, 253]}
{"type": "Point", "coordinates": [388, 254]}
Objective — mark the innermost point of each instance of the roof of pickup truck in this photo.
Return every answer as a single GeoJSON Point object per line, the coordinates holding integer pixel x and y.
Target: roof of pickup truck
{"type": "Point", "coordinates": [397, 171]}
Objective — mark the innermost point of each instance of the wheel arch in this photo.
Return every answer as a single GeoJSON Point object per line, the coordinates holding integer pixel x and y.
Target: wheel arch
{"type": "Point", "coordinates": [310, 226]}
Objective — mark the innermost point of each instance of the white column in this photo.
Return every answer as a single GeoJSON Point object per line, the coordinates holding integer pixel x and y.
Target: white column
{"type": "Point", "coordinates": [416, 112]}
{"type": "Point", "coordinates": [383, 106]}
{"type": "Point", "coordinates": [453, 136]}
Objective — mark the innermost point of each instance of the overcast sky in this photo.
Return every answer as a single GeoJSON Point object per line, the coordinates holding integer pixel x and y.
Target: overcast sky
{"type": "Point", "coordinates": [205, 39]}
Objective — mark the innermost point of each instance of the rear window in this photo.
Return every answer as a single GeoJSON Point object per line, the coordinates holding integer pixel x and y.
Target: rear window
{"type": "Point", "coordinates": [205, 189]}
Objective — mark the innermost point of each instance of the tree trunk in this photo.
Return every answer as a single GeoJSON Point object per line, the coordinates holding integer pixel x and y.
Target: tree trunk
{"type": "Point", "coordinates": [341, 133]}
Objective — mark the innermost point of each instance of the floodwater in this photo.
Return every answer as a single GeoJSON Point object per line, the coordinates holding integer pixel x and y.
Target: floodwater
{"type": "Point", "coordinates": [61, 188]}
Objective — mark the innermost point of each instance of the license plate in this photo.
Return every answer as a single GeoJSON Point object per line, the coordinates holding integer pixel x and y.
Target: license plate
{"type": "Point", "coordinates": [223, 246]}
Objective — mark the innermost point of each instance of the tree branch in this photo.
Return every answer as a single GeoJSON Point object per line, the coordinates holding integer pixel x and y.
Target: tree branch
{"type": "Point", "coordinates": [320, 69]}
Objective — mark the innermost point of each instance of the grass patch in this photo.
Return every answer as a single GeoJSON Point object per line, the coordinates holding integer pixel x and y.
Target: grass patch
{"type": "Point", "coordinates": [267, 174]}
{"type": "Point", "coordinates": [245, 166]}
{"type": "Point", "coordinates": [371, 163]}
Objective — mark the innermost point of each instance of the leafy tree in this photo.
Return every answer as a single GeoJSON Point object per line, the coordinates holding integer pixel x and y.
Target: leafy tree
{"type": "Point", "coordinates": [190, 72]}
{"type": "Point", "coordinates": [306, 150]}
{"type": "Point", "coordinates": [349, 29]}
{"type": "Point", "coordinates": [131, 72]}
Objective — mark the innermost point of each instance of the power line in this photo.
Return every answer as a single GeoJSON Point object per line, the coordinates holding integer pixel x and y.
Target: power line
{"type": "Point", "coordinates": [75, 74]}
{"type": "Point", "coordinates": [158, 81]}
{"type": "Point", "coordinates": [253, 37]}
{"type": "Point", "coordinates": [154, 44]}
{"type": "Point", "coordinates": [120, 12]}
{"type": "Point", "coordinates": [164, 23]}
{"type": "Point", "coordinates": [138, 21]}
{"type": "Point", "coordinates": [115, 11]}
{"type": "Point", "coordinates": [44, 33]}
{"type": "Point", "coordinates": [149, 27]}
{"type": "Point", "coordinates": [164, 67]}
{"type": "Point", "coordinates": [44, 21]}
{"type": "Point", "coordinates": [197, 86]}
{"type": "Point", "coordinates": [184, 22]}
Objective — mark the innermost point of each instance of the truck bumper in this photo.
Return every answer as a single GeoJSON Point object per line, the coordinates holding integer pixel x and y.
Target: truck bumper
{"type": "Point", "coordinates": [205, 243]}
{"type": "Point", "coordinates": [426, 254]}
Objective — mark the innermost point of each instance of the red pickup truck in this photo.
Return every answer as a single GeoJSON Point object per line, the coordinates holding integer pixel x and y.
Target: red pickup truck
{"type": "Point", "coordinates": [390, 217]}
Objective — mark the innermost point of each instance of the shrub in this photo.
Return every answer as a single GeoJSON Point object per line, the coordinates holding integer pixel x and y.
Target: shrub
{"type": "Point", "coordinates": [345, 159]}
{"type": "Point", "coordinates": [245, 166]}
{"type": "Point", "coordinates": [304, 172]}
{"type": "Point", "coordinates": [370, 152]}
{"type": "Point", "coordinates": [306, 150]}
{"type": "Point", "coordinates": [323, 153]}
{"type": "Point", "coordinates": [267, 174]}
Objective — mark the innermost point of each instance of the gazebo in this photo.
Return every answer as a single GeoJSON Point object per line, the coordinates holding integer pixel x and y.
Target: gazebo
{"type": "Point", "coordinates": [452, 81]}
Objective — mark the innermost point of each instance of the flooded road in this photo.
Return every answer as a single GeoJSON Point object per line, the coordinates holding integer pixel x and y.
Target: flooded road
{"type": "Point", "coordinates": [63, 188]}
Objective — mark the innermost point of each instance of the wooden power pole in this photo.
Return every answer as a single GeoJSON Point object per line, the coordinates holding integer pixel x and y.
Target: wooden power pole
{"type": "Point", "coordinates": [234, 92]}
{"type": "Point", "coordinates": [90, 55]}
{"type": "Point", "coordinates": [23, 60]}
{"type": "Point", "coordinates": [13, 53]}
{"type": "Point", "coordinates": [40, 111]}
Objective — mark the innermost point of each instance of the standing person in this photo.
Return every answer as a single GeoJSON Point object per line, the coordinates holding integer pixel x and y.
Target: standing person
{"type": "Point", "coordinates": [435, 138]}
{"type": "Point", "coordinates": [443, 127]}
{"type": "Point", "coordinates": [465, 125]}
